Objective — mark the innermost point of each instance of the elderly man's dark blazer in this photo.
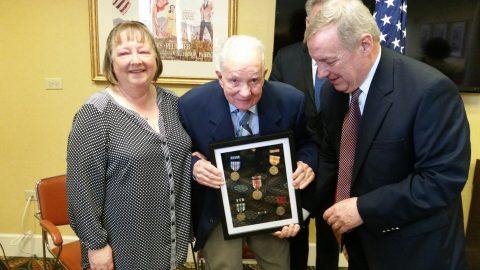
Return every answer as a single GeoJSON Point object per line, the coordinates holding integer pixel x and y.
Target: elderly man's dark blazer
{"type": "Point", "coordinates": [205, 114]}
{"type": "Point", "coordinates": [411, 164]}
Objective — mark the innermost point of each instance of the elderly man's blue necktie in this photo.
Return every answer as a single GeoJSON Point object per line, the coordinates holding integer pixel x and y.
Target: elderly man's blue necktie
{"type": "Point", "coordinates": [244, 127]}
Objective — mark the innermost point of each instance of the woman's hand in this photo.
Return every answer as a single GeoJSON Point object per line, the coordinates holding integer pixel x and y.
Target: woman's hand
{"type": "Point", "coordinates": [101, 259]}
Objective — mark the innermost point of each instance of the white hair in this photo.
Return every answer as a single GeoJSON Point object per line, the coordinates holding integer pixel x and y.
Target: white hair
{"type": "Point", "coordinates": [309, 6]}
{"type": "Point", "coordinates": [351, 17]}
{"type": "Point", "coordinates": [241, 46]}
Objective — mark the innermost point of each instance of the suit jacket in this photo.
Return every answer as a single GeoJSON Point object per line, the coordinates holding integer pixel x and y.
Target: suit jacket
{"type": "Point", "coordinates": [206, 117]}
{"type": "Point", "coordinates": [293, 66]}
{"type": "Point", "coordinates": [411, 163]}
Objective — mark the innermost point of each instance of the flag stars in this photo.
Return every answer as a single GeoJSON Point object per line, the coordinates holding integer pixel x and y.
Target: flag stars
{"type": "Point", "coordinates": [391, 17]}
{"type": "Point", "coordinates": [399, 25]}
{"type": "Point", "coordinates": [383, 37]}
{"type": "Point", "coordinates": [389, 3]}
{"type": "Point", "coordinates": [386, 19]}
{"type": "Point", "coordinates": [396, 43]}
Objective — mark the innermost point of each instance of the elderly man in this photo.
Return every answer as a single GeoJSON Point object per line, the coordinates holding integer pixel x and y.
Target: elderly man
{"type": "Point", "coordinates": [213, 112]}
{"type": "Point", "coordinates": [396, 145]}
{"type": "Point", "coordinates": [293, 65]}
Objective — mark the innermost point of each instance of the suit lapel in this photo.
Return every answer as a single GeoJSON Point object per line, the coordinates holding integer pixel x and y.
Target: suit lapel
{"type": "Point", "coordinates": [338, 108]}
{"type": "Point", "coordinates": [220, 120]}
{"type": "Point", "coordinates": [379, 101]}
{"type": "Point", "coordinates": [307, 72]}
{"type": "Point", "coordinates": [268, 111]}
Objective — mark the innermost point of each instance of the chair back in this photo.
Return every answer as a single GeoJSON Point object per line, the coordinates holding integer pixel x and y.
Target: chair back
{"type": "Point", "coordinates": [52, 199]}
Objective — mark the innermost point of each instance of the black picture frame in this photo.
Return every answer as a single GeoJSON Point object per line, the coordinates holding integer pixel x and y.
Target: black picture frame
{"type": "Point", "coordinates": [258, 196]}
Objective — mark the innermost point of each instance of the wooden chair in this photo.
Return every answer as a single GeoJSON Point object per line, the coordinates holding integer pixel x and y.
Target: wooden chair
{"type": "Point", "coordinates": [3, 265]}
{"type": "Point", "coordinates": [52, 202]}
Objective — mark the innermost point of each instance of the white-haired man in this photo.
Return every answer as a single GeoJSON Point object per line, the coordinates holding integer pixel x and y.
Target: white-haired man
{"type": "Point", "coordinates": [396, 145]}
{"type": "Point", "coordinates": [214, 112]}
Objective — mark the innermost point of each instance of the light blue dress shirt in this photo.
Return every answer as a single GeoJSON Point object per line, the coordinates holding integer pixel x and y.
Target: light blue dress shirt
{"type": "Point", "coordinates": [237, 115]}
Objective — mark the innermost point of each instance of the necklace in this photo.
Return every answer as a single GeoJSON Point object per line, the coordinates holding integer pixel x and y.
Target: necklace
{"type": "Point", "coordinates": [129, 104]}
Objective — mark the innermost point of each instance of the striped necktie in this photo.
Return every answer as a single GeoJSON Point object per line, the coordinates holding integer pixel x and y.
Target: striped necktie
{"type": "Point", "coordinates": [244, 124]}
{"type": "Point", "coordinates": [348, 143]}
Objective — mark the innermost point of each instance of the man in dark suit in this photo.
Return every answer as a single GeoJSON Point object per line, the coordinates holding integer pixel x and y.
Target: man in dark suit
{"type": "Point", "coordinates": [215, 112]}
{"type": "Point", "coordinates": [396, 145]}
{"type": "Point", "coordinates": [293, 65]}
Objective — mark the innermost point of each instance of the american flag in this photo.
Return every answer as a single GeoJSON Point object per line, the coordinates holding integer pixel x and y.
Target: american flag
{"type": "Point", "coordinates": [391, 17]}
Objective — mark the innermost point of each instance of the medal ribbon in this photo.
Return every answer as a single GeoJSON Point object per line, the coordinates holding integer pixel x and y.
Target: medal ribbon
{"type": "Point", "coordinates": [257, 182]}
{"type": "Point", "coordinates": [281, 200]}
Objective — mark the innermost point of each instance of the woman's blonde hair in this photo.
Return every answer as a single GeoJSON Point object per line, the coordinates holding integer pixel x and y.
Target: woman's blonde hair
{"type": "Point", "coordinates": [134, 31]}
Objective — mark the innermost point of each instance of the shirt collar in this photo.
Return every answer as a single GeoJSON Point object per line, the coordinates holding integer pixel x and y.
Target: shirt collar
{"type": "Point", "coordinates": [252, 109]}
{"type": "Point", "coordinates": [365, 86]}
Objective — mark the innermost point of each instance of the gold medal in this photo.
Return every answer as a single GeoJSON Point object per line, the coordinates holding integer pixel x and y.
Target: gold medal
{"type": "Point", "coordinates": [280, 211]}
{"type": "Point", "coordinates": [240, 204]}
{"type": "Point", "coordinates": [241, 216]}
{"type": "Point", "coordinates": [274, 160]}
{"type": "Point", "coordinates": [273, 170]}
{"type": "Point", "coordinates": [234, 176]}
{"type": "Point", "coordinates": [257, 184]}
{"type": "Point", "coordinates": [257, 195]}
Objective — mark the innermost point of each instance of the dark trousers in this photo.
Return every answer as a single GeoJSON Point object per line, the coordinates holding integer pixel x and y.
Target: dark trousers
{"type": "Point", "coordinates": [356, 256]}
{"type": "Point", "coordinates": [327, 247]}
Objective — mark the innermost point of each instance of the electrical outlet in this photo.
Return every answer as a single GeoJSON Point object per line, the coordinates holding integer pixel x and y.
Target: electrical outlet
{"type": "Point", "coordinates": [30, 193]}
{"type": "Point", "coordinates": [53, 83]}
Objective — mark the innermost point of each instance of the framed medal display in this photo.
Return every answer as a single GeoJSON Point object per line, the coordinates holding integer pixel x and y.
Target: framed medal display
{"type": "Point", "coordinates": [258, 195]}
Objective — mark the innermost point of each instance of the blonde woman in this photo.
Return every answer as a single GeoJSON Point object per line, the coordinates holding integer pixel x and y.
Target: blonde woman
{"type": "Point", "coordinates": [128, 163]}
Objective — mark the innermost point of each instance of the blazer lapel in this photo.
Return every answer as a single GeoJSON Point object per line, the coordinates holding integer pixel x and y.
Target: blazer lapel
{"type": "Point", "coordinates": [307, 72]}
{"type": "Point", "coordinates": [338, 108]}
{"type": "Point", "coordinates": [268, 112]}
{"type": "Point", "coordinates": [378, 103]}
{"type": "Point", "coordinates": [220, 120]}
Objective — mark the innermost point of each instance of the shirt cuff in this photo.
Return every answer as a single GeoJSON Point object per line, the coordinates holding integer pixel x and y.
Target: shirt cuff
{"type": "Point", "coordinates": [305, 214]}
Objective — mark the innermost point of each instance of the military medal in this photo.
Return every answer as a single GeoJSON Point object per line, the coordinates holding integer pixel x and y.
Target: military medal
{"type": "Point", "coordinates": [273, 170]}
{"type": "Point", "coordinates": [257, 184]}
{"type": "Point", "coordinates": [240, 204]}
{"type": "Point", "coordinates": [281, 201]}
{"type": "Point", "coordinates": [241, 216]}
{"type": "Point", "coordinates": [274, 161]}
{"type": "Point", "coordinates": [257, 195]}
{"type": "Point", "coordinates": [235, 166]}
{"type": "Point", "coordinates": [240, 188]}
